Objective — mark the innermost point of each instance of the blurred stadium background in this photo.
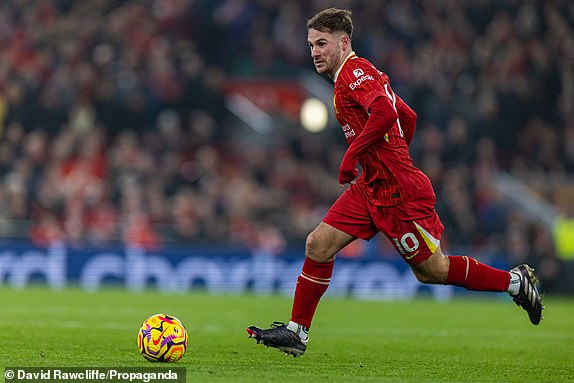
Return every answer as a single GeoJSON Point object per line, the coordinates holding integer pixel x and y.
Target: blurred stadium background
{"type": "Point", "coordinates": [174, 128]}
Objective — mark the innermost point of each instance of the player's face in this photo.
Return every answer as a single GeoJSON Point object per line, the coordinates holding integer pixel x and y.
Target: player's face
{"type": "Point", "coordinates": [327, 50]}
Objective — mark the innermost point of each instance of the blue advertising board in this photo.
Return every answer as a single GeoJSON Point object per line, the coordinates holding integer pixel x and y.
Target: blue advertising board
{"type": "Point", "coordinates": [214, 269]}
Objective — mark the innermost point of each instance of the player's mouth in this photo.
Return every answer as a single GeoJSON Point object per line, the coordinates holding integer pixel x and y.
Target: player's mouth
{"type": "Point", "coordinates": [319, 63]}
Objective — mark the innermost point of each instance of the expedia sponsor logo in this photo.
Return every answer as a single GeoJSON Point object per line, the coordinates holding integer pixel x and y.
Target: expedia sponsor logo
{"type": "Point", "coordinates": [358, 72]}
{"type": "Point", "coordinates": [360, 80]}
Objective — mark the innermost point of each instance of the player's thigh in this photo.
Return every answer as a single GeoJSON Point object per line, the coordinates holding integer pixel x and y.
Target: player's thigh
{"type": "Point", "coordinates": [347, 219]}
{"type": "Point", "coordinates": [351, 214]}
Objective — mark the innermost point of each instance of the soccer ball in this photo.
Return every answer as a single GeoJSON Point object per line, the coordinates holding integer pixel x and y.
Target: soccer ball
{"type": "Point", "coordinates": [162, 338]}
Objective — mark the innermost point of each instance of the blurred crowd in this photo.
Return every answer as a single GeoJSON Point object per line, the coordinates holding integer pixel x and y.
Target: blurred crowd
{"type": "Point", "coordinates": [113, 124]}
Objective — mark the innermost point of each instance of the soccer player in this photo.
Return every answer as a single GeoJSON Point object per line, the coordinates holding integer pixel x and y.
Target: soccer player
{"type": "Point", "coordinates": [391, 195]}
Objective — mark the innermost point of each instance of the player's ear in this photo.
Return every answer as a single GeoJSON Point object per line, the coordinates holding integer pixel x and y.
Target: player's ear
{"type": "Point", "coordinates": [345, 42]}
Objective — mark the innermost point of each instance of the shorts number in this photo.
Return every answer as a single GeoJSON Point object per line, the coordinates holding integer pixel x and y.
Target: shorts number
{"type": "Point", "coordinates": [413, 239]}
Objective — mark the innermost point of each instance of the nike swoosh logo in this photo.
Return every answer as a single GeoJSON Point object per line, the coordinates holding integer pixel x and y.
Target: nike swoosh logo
{"type": "Point", "coordinates": [156, 341]}
{"type": "Point", "coordinates": [412, 255]}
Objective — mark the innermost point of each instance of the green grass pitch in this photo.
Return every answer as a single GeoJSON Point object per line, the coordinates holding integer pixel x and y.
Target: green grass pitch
{"type": "Point", "coordinates": [482, 338]}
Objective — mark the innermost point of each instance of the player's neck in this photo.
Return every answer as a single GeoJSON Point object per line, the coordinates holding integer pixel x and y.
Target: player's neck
{"type": "Point", "coordinates": [344, 57]}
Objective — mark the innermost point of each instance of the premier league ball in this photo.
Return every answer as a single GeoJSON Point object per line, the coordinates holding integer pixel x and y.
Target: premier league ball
{"type": "Point", "coordinates": [162, 338]}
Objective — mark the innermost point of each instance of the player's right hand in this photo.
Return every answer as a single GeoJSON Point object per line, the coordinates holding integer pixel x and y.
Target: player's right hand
{"type": "Point", "coordinates": [347, 174]}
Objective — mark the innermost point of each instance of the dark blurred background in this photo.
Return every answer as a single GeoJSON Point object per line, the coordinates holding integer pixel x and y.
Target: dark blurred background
{"type": "Point", "coordinates": [170, 122]}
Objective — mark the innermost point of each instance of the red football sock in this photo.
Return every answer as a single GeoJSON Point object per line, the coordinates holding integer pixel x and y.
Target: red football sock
{"type": "Point", "coordinates": [311, 285]}
{"type": "Point", "coordinates": [467, 272]}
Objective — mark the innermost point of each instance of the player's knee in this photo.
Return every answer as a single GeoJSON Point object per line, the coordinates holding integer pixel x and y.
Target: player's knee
{"type": "Point", "coordinates": [312, 245]}
{"type": "Point", "coordinates": [427, 277]}
{"type": "Point", "coordinates": [434, 270]}
{"type": "Point", "coordinates": [315, 248]}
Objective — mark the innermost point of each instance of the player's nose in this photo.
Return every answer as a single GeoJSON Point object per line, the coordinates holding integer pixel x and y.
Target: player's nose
{"type": "Point", "coordinates": [314, 52]}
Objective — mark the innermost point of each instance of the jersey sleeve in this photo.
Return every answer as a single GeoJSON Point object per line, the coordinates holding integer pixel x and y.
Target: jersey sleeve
{"type": "Point", "coordinates": [408, 119]}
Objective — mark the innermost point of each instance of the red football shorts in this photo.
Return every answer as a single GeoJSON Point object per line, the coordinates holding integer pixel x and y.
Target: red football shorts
{"type": "Point", "coordinates": [413, 227]}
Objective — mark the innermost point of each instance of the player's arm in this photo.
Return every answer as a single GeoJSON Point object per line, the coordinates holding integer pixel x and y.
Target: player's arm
{"type": "Point", "coordinates": [408, 119]}
{"type": "Point", "coordinates": [382, 117]}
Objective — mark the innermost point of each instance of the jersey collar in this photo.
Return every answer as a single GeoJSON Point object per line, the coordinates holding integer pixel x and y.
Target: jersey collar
{"type": "Point", "coordinates": [350, 55]}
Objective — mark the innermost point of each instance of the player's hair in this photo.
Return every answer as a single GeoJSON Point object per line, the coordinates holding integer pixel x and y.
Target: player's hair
{"type": "Point", "coordinates": [332, 20]}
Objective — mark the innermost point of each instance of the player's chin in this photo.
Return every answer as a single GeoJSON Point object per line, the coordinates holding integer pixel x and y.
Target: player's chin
{"type": "Point", "coordinates": [321, 68]}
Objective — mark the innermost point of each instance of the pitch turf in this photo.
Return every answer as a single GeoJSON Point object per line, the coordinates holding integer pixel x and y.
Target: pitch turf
{"type": "Point", "coordinates": [477, 339]}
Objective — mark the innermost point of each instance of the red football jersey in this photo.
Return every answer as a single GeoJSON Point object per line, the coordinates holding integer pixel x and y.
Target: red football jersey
{"type": "Point", "coordinates": [389, 176]}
